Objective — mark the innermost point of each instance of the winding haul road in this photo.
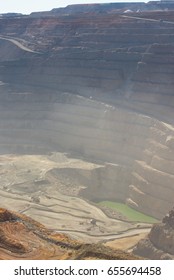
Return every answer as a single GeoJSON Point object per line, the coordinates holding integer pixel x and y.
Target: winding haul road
{"type": "Point", "coordinates": [18, 44]}
{"type": "Point", "coordinates": [149, 19]}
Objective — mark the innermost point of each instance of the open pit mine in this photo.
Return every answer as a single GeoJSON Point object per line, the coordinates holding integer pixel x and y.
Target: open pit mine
{"type": "Point", "coordinates": [86, 130]}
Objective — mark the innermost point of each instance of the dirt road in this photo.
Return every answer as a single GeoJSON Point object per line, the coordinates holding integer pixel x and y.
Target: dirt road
{"type": "Point", "coordinates": [18, 44]}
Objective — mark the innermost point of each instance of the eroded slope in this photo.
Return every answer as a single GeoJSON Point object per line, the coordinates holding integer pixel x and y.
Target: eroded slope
{"type": "Point", "coordinates": [23, 238]}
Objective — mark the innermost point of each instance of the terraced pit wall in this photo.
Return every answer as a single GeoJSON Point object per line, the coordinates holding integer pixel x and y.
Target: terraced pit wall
{"type": "Point", "coordinates": [100, 94]}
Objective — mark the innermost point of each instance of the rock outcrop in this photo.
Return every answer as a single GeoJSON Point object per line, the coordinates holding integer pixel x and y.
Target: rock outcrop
{"type": "Point", "coordinates": [160, 241]}
{"type": "Point", "coordinates": [97, 86]}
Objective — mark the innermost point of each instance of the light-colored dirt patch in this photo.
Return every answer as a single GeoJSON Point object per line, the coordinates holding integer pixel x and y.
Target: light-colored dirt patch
{"type": "Point", "coordinates": [126, 243]}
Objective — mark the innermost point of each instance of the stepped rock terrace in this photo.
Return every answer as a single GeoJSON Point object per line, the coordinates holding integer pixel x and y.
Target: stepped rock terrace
{"type": "Point", "coordinates": [98, 88]}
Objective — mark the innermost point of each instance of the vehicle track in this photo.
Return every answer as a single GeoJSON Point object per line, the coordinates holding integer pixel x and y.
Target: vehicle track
{"type": "Point", "coordinates": [18, 44]}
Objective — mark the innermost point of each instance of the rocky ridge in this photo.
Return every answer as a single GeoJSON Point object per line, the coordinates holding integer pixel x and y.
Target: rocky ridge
{"type": "Point", "coordinates": [160, 240]}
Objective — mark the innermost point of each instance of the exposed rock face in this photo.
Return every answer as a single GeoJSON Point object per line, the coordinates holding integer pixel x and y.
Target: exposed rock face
{"type": "Point", "coordinates": [160, 241]}
{"type": "Point", "coordinates": [98, 86]}
{"type": "Point", "coordinates": [23, 238]}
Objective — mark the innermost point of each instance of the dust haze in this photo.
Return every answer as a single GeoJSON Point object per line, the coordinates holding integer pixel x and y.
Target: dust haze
{"type": "Point", "coordinates": [86, 121]}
